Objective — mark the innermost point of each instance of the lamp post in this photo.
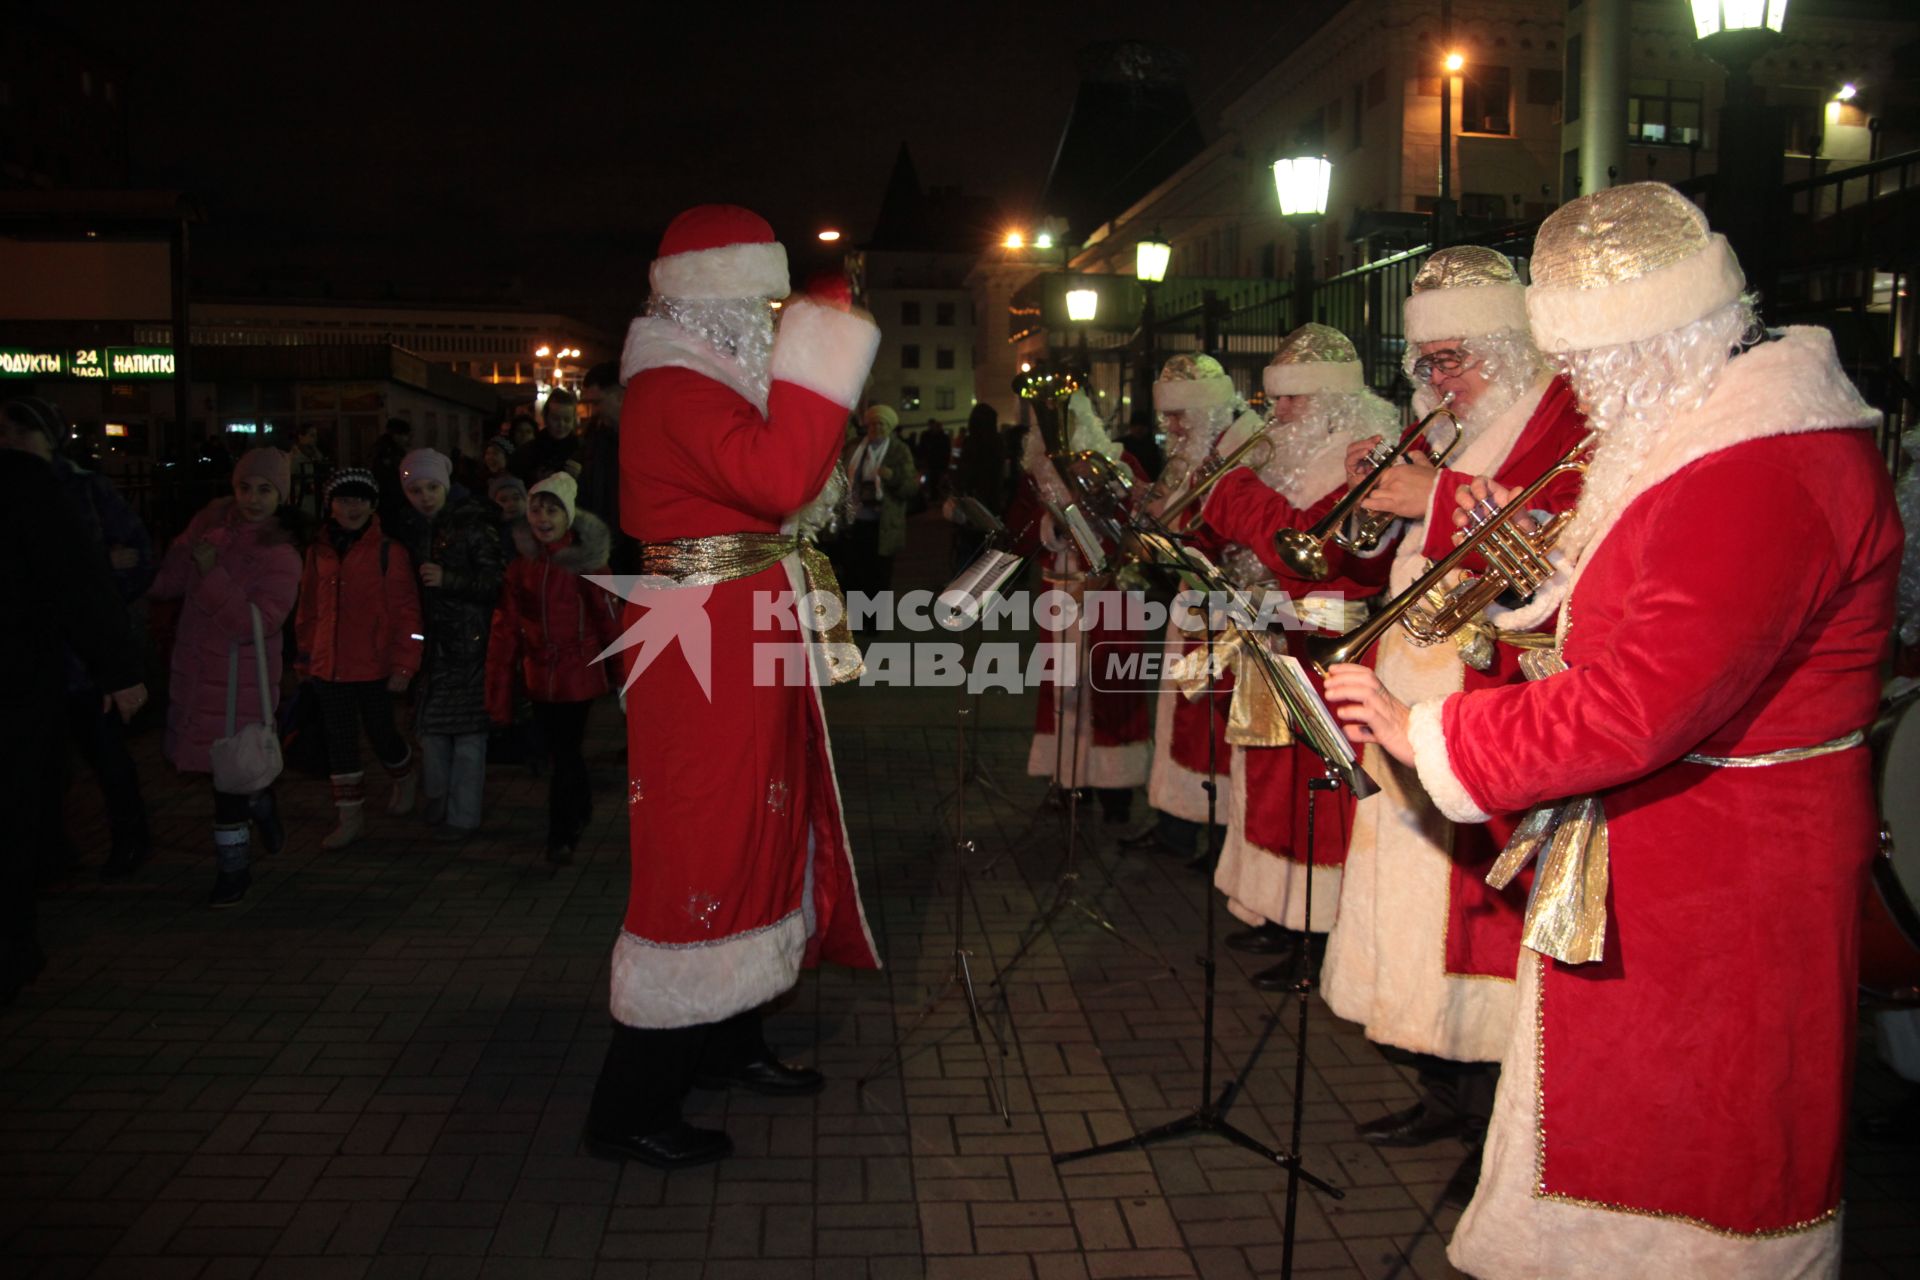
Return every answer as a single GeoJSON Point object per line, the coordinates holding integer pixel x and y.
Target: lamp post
{"type": "Point", "coordinates": [1735, 33]}
{"type": "Point", "coordinates": [1150, 259]}
{"type": "Point", "coordinates": [1083, 304]}
{"type": "Point", "coordinates": [1303, 184]}
{"type": "Point", "coordinates": [1452, 62]}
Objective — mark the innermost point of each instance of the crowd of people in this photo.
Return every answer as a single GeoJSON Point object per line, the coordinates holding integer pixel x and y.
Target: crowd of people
{"type": "Point", "coordinates": [1604, 898]}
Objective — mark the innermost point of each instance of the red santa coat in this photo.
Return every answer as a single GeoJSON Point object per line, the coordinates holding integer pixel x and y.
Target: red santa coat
{"type": "Point", "coordinates": [1263, 865]}
{"type": "Point", "coordinates": [1423, 955]}
{"type": "Point", "coordinates": [741, 870]}
{"type": "Point", "coordinates": [1678, 1107]}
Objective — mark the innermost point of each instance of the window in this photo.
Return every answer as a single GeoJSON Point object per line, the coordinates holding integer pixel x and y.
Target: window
{"type": "Point", "coordinates": [909, 313]}
{"type": "Point", "coordinates": [943, 313]}
{"type": "Point", "coordinates": [1665, 111]}
{"type": "Point", "coordinates": [910, 355]}
{"type": "Point", "coordinates": [909, 399]}
{"type": "Point", "coordinates": [1486, 100]}
{"type": "Point", "coordinates": [1491, 208]}
{"type": "Point", "coordinates": [943, 397]}
{"type": "Point", "coordinates": [1543, 87]}
{"type": "Point", "coordinates": [943, 357]}
{"type": "Point", "coordinates": [1572, 80]}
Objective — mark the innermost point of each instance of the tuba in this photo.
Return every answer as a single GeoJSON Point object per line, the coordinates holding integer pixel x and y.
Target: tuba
{"type": "Point", "coordinates": [1304, 551]}
{"type": "Point", "coordinates": [1429, 610]}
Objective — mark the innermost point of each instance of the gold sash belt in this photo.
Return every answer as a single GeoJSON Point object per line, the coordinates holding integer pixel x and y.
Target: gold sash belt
{"type": "Point", "coordinates": [725, 557]}
{"type": "Point", "coordinates": [1567, 910]}
{"type": "Point", "coordinates": [1257, 717]}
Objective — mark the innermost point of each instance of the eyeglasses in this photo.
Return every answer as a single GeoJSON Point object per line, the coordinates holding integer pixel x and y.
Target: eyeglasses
{"type": "Point", "coordinates": [1444, 363]}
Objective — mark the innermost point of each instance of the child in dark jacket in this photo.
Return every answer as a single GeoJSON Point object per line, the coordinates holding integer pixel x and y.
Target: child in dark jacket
{"type": "Point", "coordinates": [456, 556]}
{"type": "Point", "coordinates": [358, 626]}
{"type": "Point", "coordinates": [551, 626]}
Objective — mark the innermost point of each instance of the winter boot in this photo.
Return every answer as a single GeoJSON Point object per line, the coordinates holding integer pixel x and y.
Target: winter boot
{"type": "Point", "coordinates": [400, 803]}
{"type": "Point", "coordinates": [231, 843]}
{"type": "Point", "coordinates": [350, 799]}
{"type": "Point", "coordinates": [265, 807]}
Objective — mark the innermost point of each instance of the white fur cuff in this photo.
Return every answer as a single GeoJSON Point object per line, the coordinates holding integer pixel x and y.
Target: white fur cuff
{"type": "Point", "coordinates": [1466, 312]}
{"type": "Point", "coordinates": [683, 986]}
{"type": "Point", "coordinates": [1443, 786]}
{"type": "Point", "coordinates": [824, 350]}
{"type": "Point", "coordinates": [1192, 393]}
{"type": "Point", "coordinates": [731, 271]}
{"type": "Point", "coordinates": [1658, 302]}
{"type": "Point", "coordinates": [1312, 379]}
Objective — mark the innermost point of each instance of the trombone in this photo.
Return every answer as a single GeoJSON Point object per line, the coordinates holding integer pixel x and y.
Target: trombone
{"type": "Point", "coordinates": [1211, 470]}
{"type": "Point", "coordinates": [1428, 610]}
{"type": "Point", "coordinates": [1304, 551]}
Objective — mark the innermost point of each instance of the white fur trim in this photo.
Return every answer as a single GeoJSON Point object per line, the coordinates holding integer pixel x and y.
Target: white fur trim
{"type": "Point", "coordinates": [825, 350]}
{"type": "Point", "coordinates": [684, 986]}
{"type": "Point", "coordinates": [730, 271]}
{"type": "Point", "coordinates": [655, 342]}
{"type": "Point", "coordinates": [1510, 1233]}
{"type": "Point", "coordinates": [1312, 378]}
{"type": "Point", "coordinates": [1386, 958]}
{"type": "Point", "coordinates": [1658, 302]}
{"type": "Point", "coordinates": [1187, 394]}
{"type": "Point", "coordinates": [1785, 387]}
{"type": "Point", "coordinates": [1449, 794]}
{"type": "Point", "coordinates": [1467, 311]}
{"type": "Point", "coordinates": [1263, 886]}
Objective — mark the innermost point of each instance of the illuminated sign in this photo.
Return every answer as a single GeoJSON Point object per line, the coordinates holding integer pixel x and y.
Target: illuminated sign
{"type": "Point", "coordinates": [18, 362]}
{"type": "Point", "coordinates": [88, 362]}
{"type": "Point", "coordinates": [117, 429]}
{"type": "Point", "coordinates": [139, 362]}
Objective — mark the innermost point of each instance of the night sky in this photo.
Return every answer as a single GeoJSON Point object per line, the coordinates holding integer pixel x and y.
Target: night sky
{"type": "Point", "coordinates": [534, 152]}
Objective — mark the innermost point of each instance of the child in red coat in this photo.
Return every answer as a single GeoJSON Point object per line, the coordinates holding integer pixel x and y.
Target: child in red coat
{"type": "Point", "coordinates": [550, 627]}
{"type": "Point", "coordinates": [359, 632]}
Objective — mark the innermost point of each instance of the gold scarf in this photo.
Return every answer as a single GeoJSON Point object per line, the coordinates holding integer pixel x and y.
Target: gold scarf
{"type": "Point", "coordinates": [1257, 717]}
{"type": "Point", "coordinates": [724, 557]}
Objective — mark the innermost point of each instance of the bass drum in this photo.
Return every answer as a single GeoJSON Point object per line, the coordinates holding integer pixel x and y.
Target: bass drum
{"type": "Point", "coordinates": [1890, 931]}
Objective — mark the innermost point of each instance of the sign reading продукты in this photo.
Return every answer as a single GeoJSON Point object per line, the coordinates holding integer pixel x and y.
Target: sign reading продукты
{"type": "Point", "coordinates": [121, 364]}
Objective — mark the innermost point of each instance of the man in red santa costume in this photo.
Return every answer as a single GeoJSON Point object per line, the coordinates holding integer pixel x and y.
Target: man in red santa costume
{"type": "Point", "coordinates": [1087, 733]}
{"type": "Point", "coordinates": [741, 872]}
{"type": "Point", "coordinates": [1198, 409]}
{"type": "Point", "coordinates": [1321, 407]}
{"type": "Point", "coordinates": [1674, 1092]}
{"type": "Point", "coordinates": [1424, 951]}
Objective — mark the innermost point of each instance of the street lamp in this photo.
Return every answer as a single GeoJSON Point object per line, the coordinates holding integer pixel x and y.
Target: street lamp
{"type": "Point", "coordinates": [829, 235]}
{"type": "Point", "coordinates": [1082, 305]}
{"type": "Point", "coordinates": [1734, 33]}
{"type": "Point", "coordinates": [1303, 184]}
{"type": "Point", "coordinates": [1150, 258]}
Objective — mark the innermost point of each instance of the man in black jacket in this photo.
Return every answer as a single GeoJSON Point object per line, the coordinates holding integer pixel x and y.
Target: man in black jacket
{"type": "Point", "coordinates": [55, 582]}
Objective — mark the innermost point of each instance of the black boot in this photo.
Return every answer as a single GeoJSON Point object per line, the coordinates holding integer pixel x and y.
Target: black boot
{"type": "Point", "coordinates": [636, 1102]}
{"type": "Point", "coordinates": [265, 808]}
{"type": "Point", "coordinates": [1269, 939]}
{"type": "Point", "coordinates": [736, 1056]}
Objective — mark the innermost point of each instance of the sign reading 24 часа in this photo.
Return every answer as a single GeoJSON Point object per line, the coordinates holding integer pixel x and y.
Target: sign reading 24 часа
{"type": "Point", "coordinates": [121, 364]}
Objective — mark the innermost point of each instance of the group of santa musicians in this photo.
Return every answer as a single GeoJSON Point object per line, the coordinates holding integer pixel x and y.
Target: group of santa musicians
{"type": "Point", "coordinates": [1644, 1034]}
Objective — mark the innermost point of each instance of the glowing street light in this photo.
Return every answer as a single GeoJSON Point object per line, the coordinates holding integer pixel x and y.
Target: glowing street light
{"type": "Point", "coordinates": [1082, 305]}
{"type": "Point", "coordinates": [1454, 63]}
{"type": "Point", "coordinates": [1847, 92]}
{"type": "Point", "coordinates": [829, 235]}
{"type": "Point", "coordinates": [1044, 240]}
{"type": "Point", "coordinates": [1150, 258]}
{"type": "Point", "coordinates": [1713, 17]}
{"type": "Point", "coordinates": [1302, 184]}
{"type": "Point", "coordinates": [543, 351]}
{"type": "Point", "coordinates": [1014, 240]}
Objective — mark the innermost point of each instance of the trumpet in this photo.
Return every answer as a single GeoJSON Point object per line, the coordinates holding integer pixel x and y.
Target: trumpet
{"type": "Point", "coordinates": [1429, 610]}
{"type": "Point", "coordinates": [1304, 551]}
{"type": "Point", "coordinates": [1210, 471]}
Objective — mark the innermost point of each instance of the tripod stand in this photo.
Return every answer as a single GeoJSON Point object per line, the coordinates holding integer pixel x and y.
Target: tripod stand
{"type": "Point", "coordinates": [1066, 895]}
{"type": "Point", "coordinates": [960, 978]}
{"type": "Point", "coordinates": [1210, 1115]}
{"type": "Point", "coordinates": [973, 770]}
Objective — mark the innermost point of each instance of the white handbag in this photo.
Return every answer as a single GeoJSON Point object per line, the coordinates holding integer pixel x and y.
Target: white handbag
{"type": "Point", "coordinates": [247, 761]}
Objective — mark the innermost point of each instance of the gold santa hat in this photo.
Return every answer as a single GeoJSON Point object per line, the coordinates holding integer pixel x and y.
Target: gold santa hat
{"type": "Point", "coordinates": [1464, 292]}
{"type": "Point", "coordinates": [1626, 264]}
{"type": "Point", "coordinates": [1192, 382]}
{"type": "Point", "coordinates": [1314, 358]}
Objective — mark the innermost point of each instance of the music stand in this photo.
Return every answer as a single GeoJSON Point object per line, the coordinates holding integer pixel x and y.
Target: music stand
{"type": "Point", "coordinates": [960, 977]}
{"type": "Point", "coordinates": [1316, 722]}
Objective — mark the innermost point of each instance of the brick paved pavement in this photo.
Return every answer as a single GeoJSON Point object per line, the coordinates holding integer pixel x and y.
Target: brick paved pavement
{"type": "Point", "coordinates": [380, 1064]}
